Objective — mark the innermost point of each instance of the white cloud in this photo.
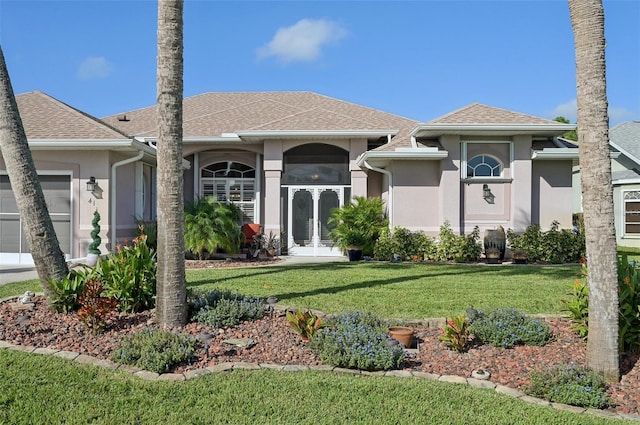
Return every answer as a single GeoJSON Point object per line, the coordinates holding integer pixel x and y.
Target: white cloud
{"type": "Point", "coordinates": [569, 110]}
{"type": "Point", "coordinates": [302, 41]}
{"type": "Point", "coordinates": [94, 67]}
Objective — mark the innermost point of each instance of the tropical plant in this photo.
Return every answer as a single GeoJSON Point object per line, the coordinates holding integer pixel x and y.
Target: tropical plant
{"type": "Point", "coordinates": [94, 246]}
{"type": "Point", "coordinates": [129, 275]}
{"type": "Point", "coordinates": [149, 228]}
{"type": "Point", "coordinates": [95, 307]}
{"type": "Point", "coordinates": [211, 225]}
{"type": "Point", "coordinates": [587, 20]}
{"type": "Point", "coordinates": [305, 323]}
{"type": "Point", "coordinates": [67, 291]}
{"type": "Point", "coordinates": [38, 228]}
{"type": "Point", "coordinates": [360, 222]}
{"type": "Point", "coordinates": [577, 308]}
{"type": "Point", "coordinates": [629, 313]}
{"type": "Point", "coordinates": [455, 333]}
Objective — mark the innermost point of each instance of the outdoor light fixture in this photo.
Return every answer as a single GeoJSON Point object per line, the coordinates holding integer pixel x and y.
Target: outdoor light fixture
{"type": "Point", "coordinates": [486, 194]}
{"type": "Point", "coordinates": [92, 184]}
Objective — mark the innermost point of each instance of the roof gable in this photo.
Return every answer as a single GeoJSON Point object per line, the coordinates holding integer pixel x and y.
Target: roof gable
{"type": "Point", "coordinates": [477, 113]}
{"type": "Point", "coordinates": [44, 117]}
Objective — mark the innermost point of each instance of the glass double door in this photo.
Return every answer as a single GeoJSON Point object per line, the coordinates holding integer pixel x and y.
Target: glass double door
{"type": "Point", "coordinates": [309, 211]}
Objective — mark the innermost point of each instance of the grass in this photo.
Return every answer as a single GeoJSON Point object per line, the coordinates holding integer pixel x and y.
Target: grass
{"type": "Point", "coordinates": [47, 389]}
{"type": "Point", "coordinates": [405, 290]}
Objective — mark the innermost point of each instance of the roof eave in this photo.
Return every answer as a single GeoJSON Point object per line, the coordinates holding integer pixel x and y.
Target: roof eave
{"type": "Point", "coordinates": [249, 135]}
{"type": "Point", "coordinates": [382, 158]}
{"type": "Point", "coordinates": [434, 130]}
{"type": "Point", "coordinates": [562, 154]}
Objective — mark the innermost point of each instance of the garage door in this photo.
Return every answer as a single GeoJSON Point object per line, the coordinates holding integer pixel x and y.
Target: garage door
{"type": "Point", "coordinates": [14, 248]}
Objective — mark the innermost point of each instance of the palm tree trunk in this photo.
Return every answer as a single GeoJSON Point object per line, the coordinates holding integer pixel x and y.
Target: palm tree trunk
{"type": "Point", "coordinates": [41, 236]}
{"type": "Point", "coordinates": [587, 19]}
{"type": "Point", "coordinates": [171, 298]}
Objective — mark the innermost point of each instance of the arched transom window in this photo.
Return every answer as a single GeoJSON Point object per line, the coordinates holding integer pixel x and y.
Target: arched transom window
{"type": "Point", "coordinates": [233, 182]}
{"type": "Point", "coordinates": [484, 166]}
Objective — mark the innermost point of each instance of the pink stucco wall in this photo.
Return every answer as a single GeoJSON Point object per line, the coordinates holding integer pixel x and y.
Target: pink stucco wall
{"type": "Point", "coordinates": [552, 193]}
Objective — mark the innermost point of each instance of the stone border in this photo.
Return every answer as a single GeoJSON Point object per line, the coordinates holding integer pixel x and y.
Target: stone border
{"type": "Point", "coordinates": [231, 366]}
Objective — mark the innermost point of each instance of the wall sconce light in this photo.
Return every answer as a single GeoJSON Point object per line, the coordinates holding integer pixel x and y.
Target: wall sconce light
{"type": "Point", "coordinates": [92, 184]}
{"type": "Point", "coordinates": [486, 194]}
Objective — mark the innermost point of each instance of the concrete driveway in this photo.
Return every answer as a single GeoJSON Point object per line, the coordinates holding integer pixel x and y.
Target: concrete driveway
{"type": "Point", "coordinates": [15, 273]}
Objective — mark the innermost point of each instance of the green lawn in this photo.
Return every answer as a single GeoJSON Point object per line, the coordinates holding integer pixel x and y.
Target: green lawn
{"type": "Point", "coordinates": [411, 291]}
{"type": "Point", "coordinates": [46, 389]}
{"type": "Point", "coordinates": [38, 389]}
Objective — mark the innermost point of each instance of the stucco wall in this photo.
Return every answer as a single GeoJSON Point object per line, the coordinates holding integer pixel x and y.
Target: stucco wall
{"type": "Point", "coordinates": [552, 193]}
{"type": "Point", "coordinates": [416, 195]}
{"type": "Point", "coordinates": [80, 165]}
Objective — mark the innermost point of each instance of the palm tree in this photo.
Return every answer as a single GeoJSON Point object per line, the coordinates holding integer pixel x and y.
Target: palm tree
{"type": "Point", "coordinates": [171, 299]}
{"type": "Point", "coordinates": [587, 19]}
{"type": "Point", "coordinates": [41, 236]}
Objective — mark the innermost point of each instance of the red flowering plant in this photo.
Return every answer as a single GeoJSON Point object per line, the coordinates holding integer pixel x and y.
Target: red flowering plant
{"type": "Point", "coordinates": [455, 333]}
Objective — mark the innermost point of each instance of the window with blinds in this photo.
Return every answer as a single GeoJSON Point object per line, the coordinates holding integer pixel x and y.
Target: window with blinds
{"type": "Point", "coordinates": [231, 182]}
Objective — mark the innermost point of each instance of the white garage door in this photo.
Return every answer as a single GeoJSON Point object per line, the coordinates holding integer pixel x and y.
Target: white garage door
{"type": "Point", "coordinates": [14, 248]}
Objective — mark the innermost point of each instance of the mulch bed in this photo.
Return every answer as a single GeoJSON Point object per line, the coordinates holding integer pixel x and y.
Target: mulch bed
{"type": "Point", "coordinates": [277, 344]}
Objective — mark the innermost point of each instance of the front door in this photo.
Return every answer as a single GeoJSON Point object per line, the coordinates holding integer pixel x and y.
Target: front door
{"type": "Point", "coordinates": [309, 211]}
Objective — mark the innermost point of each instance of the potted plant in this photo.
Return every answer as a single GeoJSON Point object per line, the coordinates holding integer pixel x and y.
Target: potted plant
{"type": "Point", "coordinates": [94, 246]}
{"type": "Point", "coordinates": [356, 226]}
{"type": "Point", "coordinates": [271, 244]}
{"type": "Point", "coordinates": [519, 256]}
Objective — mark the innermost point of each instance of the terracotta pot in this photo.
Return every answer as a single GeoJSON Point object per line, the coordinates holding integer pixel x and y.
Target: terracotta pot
{"type": "Point", "coordinates": [402, 334]}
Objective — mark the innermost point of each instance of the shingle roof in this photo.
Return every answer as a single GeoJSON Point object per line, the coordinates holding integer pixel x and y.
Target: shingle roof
{"type": "Point", "coordinates": [45, 117]}
{"type": "Point", "coordinates": [627, 136]}
{"type": "Point", "coordinates": [477, 113]}
{"type": "Point", "coordinates": [212, 114]}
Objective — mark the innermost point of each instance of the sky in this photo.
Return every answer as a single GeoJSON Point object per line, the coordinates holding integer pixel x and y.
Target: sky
{"type": "Point", "coordinates": [417, 59]}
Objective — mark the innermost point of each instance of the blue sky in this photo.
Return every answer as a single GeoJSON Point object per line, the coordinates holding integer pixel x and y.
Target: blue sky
{"type": "Point", "coordinates": [418, 59]}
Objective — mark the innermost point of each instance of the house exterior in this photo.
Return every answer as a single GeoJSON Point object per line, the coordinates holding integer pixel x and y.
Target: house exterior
{"type": "Point", "coordinates": [288, 158]}
{"type": "Point", "coordinates": [624, 145]}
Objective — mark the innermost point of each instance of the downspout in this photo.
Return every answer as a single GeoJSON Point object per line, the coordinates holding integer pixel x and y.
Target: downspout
{"type": "Point", "coordinates": [112, 191]}
{"type": "Point", "coordinates": [390, 177]}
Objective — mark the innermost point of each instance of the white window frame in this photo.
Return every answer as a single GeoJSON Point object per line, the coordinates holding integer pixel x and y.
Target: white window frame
{"type": "Point", "coordinates": [626, 201]}
{"type": "Point", "coordinates": [464, 160]}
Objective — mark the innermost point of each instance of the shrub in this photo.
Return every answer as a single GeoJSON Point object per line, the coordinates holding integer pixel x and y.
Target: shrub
{"type": "Point", "coordinates": [220, 309]}
{"type": "Point", "coordinates": [455, 333]}
{"type": "Point", "coordinates": [210, 225]}
{"type": "Point", "coordinates": [408, 245]}
{"type": "Point", "coordinates": [357, 341]}
{"type": "Point", "coordinates": [450, 247]}
{"type": "Point", "coordinates": [508, 327]}
{"type": "Point", "coordinates": [554, 246]}
{"type": "Point", "coordinates": [68, 290]}
{"type": "Point", "coordinates": [95, 308]}
{"type": "Point", "coordinates": [573, 385]}
{"type": "Point", "coordinates": [129, 275]}
{"type": "Point", "coordinates": [154, 350]}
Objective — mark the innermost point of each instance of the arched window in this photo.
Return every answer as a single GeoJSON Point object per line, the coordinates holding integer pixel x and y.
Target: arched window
{"type": "Point", "coordinates": [233, 182]}
{"type": "Point", "coordinates": [316, 164]}
{"type": "Point", "coordinates": [484, 166]}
